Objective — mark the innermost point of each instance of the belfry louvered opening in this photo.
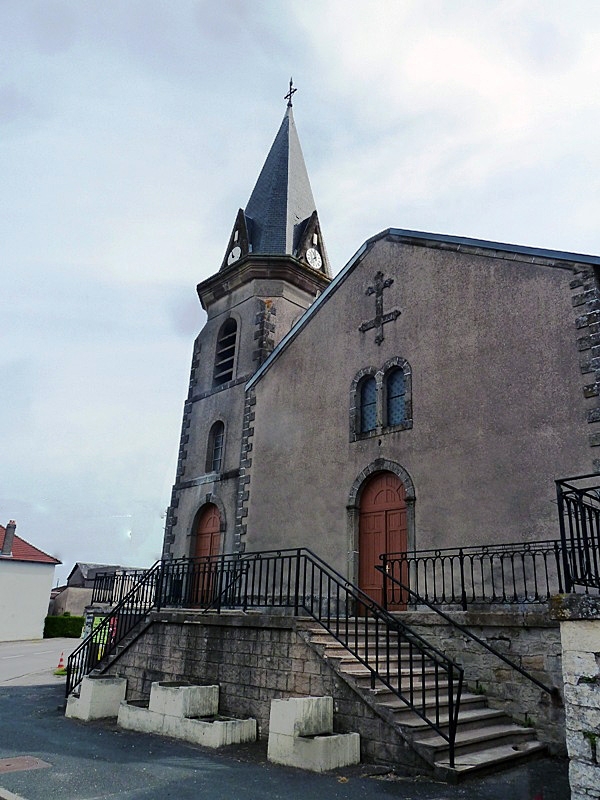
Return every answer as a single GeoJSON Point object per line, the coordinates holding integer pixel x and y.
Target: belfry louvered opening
{"type": "Point", "coordinates": [225, 357]}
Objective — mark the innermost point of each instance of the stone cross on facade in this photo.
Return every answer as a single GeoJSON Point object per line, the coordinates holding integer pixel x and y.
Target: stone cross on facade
{"type": "Point", "coordinates": [380, 318]}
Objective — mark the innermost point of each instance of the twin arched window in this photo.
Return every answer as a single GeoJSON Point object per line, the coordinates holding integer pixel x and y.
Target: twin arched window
{"type": "Point", "coordinates": [225, 355]}
{"type": "Point", "coordinates": [381, 400]}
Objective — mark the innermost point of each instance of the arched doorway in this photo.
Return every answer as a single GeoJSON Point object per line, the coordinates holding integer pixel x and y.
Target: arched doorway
{"type": "Point", "coordinates": [207, 545]}
{"type": "Point", "coordinates": [382, 529]}
{"type": "Point", "coordinates": [207, 532]}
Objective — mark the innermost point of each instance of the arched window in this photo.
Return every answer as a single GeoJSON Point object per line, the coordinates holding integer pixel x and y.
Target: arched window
{"type": "Point", "coordinates": [396, 397]}
{"type": "Point", "coordinates": [225, 356]}
{"type": "Point", "coordinates": [368, 405]}
{"type": "Point", "coordinates": [216, 444]}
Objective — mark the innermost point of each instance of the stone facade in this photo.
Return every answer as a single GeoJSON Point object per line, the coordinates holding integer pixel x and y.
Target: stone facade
{"type": "Point", "coordinates": [485, 333]}
{"type": "Point", "coordinates": [255, 658]}
{"type": "Point", "coordinates": [580, 634]}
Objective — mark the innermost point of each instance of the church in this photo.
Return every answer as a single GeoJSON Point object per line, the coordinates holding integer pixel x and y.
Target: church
{"type": "Point", "coordinates": [369, 484]}
{"type": "Point", "coordinates": [426, 397]}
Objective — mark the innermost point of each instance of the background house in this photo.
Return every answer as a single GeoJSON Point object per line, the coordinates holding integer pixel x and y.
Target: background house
{"type": "Point", "coordinates": [26, 576]}
{"type": "Point", "coordinates": [77, 594]}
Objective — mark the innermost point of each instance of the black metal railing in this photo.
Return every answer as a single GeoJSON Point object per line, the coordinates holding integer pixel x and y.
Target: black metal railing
{"type": "Point", "coordinates": [397, 658]}
{"type": "Point", "coordinates": [407, 592]}
{"type": "Point", "coordinates": [578, 501]}
{"type": "Point", "coordinates": [522, 573]}
{"type": "Point", "coordinates": [112, 629]}
{"type": "Point", "coordinates": [111, 587]}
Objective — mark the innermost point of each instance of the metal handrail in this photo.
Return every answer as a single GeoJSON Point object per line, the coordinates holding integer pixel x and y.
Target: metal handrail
{"type": "Point", "coordinates": [301, 580]}
{"type": "Point", "coordinates": [463, 629]}
{"type": "Point", "coordinates": [519, 572]}
{"type": "Point", "coordinates": [110, 632]}
{"type": "Point", "coordinates": [579, 519]}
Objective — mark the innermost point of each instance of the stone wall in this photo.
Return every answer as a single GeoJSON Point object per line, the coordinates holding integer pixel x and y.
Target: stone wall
{"type": "Point", "coordinates": [580, 635]}
{"type": "Point", "coordinates": [528, 638]}
{"type": "Point", "coordinates": [256, 658]}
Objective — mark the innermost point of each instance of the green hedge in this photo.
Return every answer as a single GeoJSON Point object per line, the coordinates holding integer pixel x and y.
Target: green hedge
{"type": "Point", "coordinates": [63, 626]}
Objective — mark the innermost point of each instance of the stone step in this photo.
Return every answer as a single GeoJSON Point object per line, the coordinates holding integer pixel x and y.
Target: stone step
{"type": "Point", "coordinates": [353, 666]}
{"type": "Point", "coordinates": [339, 651]}
{"type": "Point", "coordinates": [468, 719]}
{"type": "Point", "coordinates": [486, 739]}
{"type": "Point", "coordinates": [363, 681]}
{"type": "Point", "coordinates": [434, 747]}
{"type": "Point", "coordinates": [388, 699]}
{"type": "Point", "coordinates": [489, 759]}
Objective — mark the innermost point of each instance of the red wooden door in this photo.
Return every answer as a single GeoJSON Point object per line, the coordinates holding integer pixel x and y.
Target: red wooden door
{"type": "Point", "coordinates": [208, 532]}
{"type": "Point", "coordinates": [208, 543]}
{"type": "Point", "coordinates": [382, 529]}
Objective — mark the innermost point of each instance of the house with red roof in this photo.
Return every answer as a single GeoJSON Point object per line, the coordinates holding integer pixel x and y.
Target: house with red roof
{"type": "Point", "coordinates": [26, 577]}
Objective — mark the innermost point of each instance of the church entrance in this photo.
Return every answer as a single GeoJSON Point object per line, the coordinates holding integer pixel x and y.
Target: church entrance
{"type": "Point", "coordinates": [207, 530]}
{"type": "Point", "coordinates": [382, 529]}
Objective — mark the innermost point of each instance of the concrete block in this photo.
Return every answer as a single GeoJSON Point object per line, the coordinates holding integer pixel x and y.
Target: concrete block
{"type": "Point", "coordinates": [98, 698]}
{"type": "Point", "coordinates": [137, 718]}
{"type": "Point", "coordinates": [301, 716]}
{"type": "Point", "coordinates": [159, 719]}
{"type": "Point", "coordinates": [215, 733]}
{"type": "Point", "coordinates": [182, 700]}
{"type": "Point", "coordinates": [317, 754]}
{"type": "Point", "coordinates": [301, 735]}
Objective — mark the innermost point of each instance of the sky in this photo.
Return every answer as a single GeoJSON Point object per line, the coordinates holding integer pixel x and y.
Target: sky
{"type": "Point", "coordinates": [131, 131]}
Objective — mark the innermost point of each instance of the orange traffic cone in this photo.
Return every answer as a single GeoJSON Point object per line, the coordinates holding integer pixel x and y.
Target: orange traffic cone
{"type": "Point", "coordinates": [61, 661]}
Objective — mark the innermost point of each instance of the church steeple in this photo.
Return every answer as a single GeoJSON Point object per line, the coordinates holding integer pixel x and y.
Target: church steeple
{"type": "Point", "coordinates": [280, 218]}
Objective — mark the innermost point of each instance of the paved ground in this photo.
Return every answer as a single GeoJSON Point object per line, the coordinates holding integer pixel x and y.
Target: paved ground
{"type": "Point", "coordinates": [30, 663]}
{"type": "Point", "coordinates": [98, 762]}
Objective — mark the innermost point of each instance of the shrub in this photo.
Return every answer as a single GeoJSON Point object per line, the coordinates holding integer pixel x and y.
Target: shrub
{"type": "Point", "coordinates": [63, 626]}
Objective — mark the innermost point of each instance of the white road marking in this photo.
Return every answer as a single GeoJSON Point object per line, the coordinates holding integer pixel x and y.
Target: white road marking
{"type": "Point", "coordinates": [6, 795]}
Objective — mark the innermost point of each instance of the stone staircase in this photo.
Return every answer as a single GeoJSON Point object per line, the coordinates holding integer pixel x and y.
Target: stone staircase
{"type": "Point", "coordinates": [486, 740]}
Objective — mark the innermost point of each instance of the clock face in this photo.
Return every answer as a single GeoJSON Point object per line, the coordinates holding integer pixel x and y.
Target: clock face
{"type": "Point", "coordinates": [314, 258]}
{"type": "Point", "coordinates": [236, 252]}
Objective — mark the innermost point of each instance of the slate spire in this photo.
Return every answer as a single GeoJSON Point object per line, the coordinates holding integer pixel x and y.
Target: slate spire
{"type": "Point", "coordinates": [280, 217]}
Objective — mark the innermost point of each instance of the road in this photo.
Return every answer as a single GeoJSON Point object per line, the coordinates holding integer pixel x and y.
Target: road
{"type": "Point", "coordinates": [33, 663]}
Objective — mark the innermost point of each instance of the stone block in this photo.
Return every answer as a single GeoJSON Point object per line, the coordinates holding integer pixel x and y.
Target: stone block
{"type": "Point", "coordinates": [180, 700]}
{"type": "Point", "coordinates": [98, 698]}
{"type": "Point", "coordinates": [577, 664]}
{"type": "Point", "coordinates": [580, 635]}
{"type": "Point", "coordinates": [584, 778]}
{"type": "Point", "coordinates": [582, 695]}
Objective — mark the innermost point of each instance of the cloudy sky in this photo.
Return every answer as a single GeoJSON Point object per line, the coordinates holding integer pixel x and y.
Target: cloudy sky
{"type": "Point", "coordinates": [131, 131]}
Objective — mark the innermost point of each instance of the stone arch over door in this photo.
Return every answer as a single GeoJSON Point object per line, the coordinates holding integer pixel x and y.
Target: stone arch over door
{"type": "Point", "coordinates": [368, 509]}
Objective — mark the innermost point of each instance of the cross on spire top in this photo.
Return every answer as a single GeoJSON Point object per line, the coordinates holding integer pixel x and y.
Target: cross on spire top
{"type": "Point", "coordinates": [291, 93]}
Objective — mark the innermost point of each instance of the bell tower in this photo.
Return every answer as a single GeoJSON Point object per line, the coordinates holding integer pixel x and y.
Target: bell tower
{"type": "Point", "coordinates": [274, 266]}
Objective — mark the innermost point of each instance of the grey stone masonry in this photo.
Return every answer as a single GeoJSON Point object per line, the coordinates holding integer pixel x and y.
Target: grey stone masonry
{"type": "Point", "coordinates": [579, 617]}
{"type": "Point", "coordinates": [529, 639]}
{"type": "Point", "coordinates": [265, 330]}
{"type": "Point", "coordinates": [586, 298]}
{"type": "Point", "coordinates": [255, 658]}
{"type": "Point", "coordinates": [243, 492]}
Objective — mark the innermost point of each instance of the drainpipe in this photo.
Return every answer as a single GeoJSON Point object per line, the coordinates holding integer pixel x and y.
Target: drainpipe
{"type": "Point", "coordinates": [8, 539]}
